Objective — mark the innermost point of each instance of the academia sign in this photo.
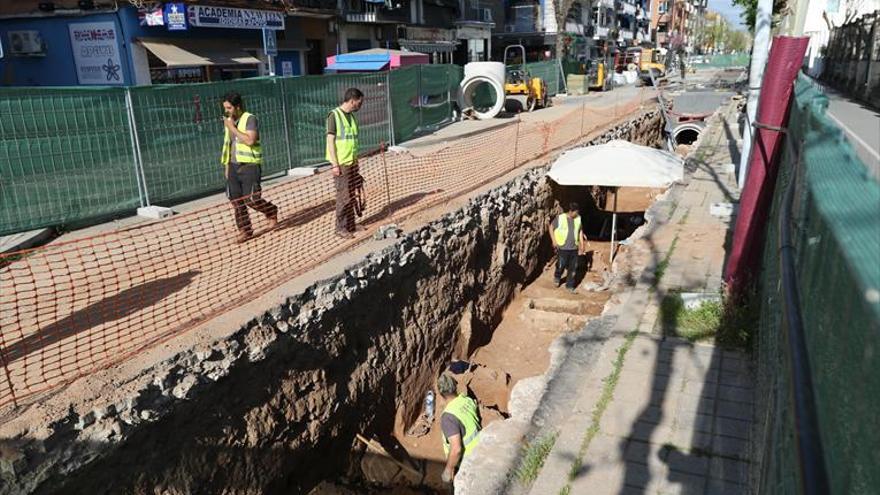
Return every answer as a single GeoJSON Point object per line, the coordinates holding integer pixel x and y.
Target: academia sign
{"type": "Point", "coordinates": [232, 18]}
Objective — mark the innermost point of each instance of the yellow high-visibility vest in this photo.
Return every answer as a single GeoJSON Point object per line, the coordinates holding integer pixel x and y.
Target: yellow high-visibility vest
{"type": "Point", "coordinates": [346, 138]}
{"type": "Point", "coordinates": [560, 234]}
{"type": "Point", "coordinates": [244, 153]}
{"type": "Point", "coordinates": [465, 411]}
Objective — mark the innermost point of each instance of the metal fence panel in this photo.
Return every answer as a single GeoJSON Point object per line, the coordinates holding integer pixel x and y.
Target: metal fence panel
{"type": "Point", "coordinates": [66, 155]}
{"type": "Point", "coordinates": [310, 99]}
{"type": "Point", "coordinates": [180, 133]}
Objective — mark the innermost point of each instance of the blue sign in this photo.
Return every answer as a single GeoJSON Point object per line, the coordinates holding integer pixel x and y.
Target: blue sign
{"type": "Point", "coordinates": [270, 44]}
{"type": "Point", "coordinates": [175, 16]}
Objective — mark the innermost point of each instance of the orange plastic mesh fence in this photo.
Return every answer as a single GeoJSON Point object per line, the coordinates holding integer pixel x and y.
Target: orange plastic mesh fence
{"type": "Point", "coordinates": [71, 308]}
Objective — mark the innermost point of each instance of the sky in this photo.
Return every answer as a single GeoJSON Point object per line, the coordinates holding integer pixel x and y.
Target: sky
{"type": "Point", "coordinates": [728, 10]}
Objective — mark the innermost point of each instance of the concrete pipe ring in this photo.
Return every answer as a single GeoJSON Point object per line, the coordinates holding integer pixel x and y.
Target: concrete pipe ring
{"type": "Point", "coordinates": [688, 133]}
{"type": "Point", "coordinates": [468, 91]}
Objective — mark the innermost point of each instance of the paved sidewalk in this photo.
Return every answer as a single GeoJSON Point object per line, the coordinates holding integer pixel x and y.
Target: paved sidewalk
{"type": "Point", "coordinates": [658, 414]}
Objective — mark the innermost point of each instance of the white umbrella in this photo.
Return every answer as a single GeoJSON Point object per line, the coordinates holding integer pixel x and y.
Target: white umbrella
{"type": "Point", "coordinates": [617, 164]}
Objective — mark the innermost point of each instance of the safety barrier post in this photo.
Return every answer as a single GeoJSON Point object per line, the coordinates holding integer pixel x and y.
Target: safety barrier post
{"type": "Point", "coordinates": [419, 97]}
{"type": "Point", "coordinates": [387, 182]}
{"type": "Point", "coordinates": [583, 118]}
{"type": "Point", "coordinates": [288, 139]}
{"type": "Point", "coordinates": [143, 193]}
{"type": "Point", "coordinates": [6, 373]}
{"type": "Point", "coordinates": [390, 108]}
{"type": "Point", "coordinates": [516, 143]}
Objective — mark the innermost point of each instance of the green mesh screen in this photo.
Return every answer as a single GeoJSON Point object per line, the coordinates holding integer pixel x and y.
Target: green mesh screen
{"type": "Point", "coordinates": [404, 103]}
{"type": "Point", "coordinates": [550, 72]}
{"type": "Point", "coordinates": [309, 100]}
{"type": "Point", "coordinates": [180, 131]}
{"type": "Point", "coordinates": [836, 236]}
{"type": "Point", "coordinates": [423, 97]}
{"type": "Point", "coordinates": [65, 155]}
{"type": "Point", "coordinates": [729, 60]}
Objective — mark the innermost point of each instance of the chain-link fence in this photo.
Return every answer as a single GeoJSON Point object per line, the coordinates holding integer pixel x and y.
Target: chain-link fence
{"type": "Point", "coordinates": [79, 154]}
{"type": "Point", "coordinates": [835, 234]}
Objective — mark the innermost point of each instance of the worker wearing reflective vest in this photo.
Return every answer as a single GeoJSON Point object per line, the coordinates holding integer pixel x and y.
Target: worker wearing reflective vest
{"type": "Point", "coordinates": [460, 423]}
{"type": "Point", "coordinates": [567, 235]}
{"type": "Point", "coordinates": [342, 153]}
{"type": "Point", "coordinates": [241, 157]}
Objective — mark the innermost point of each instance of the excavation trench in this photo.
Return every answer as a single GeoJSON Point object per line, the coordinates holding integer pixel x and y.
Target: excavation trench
{"type": "Point", "coordinates": [318, 394]}
{"type": "Point", "coordinates": [410, 458]}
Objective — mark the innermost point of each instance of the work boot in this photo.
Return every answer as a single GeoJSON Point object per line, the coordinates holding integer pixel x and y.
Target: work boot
{"type": "Point", "coordinates": [345, 235]}
{"type": "Point", "coordinates": [273, 222]}
{"type": "Point", "coordinates": [573, 290]}
{"type": "Point", "coordinates": [558, 282]}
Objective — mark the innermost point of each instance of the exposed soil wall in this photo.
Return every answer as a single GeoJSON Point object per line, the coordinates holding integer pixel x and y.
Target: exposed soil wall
{"type": "Point", "coordinates": [275, 408]}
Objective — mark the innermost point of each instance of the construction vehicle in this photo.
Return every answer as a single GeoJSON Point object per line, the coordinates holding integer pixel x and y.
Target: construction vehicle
{"type": "Point", "coordinates": [597, 68]}
{"type": "Point", "coordinates": [587, 67]}
{"type": "Point", "coordinates": [520, 88]}
{"type": "Point", "coordinates": [649, 62]}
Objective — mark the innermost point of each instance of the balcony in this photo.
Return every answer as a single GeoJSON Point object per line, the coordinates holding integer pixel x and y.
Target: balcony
{"type": "Point", "coordinates": [524, 19]}
{"type": "Point", "coordinates": [295, 6]}
{"type": "Point", "coordinates": [370, 12]}
{"type": "Point", "coordinates": [476, 15]}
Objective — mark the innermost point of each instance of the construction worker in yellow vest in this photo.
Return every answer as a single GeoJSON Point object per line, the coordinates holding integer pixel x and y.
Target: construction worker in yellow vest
{"type": "Point", "coordinates": [568, 238]}
{"type": "Point", "coordinates": [460, 424]}
{"type": "Point", "coordinates": [342, 153]}
{"type": "Point", "coordinates": [241, 157]}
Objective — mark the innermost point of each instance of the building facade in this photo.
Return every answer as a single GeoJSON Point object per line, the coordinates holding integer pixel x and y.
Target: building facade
{"type": "Point", "coordinates": [674, 23]}
{"type": "Point", "coordinates": [70, 43]}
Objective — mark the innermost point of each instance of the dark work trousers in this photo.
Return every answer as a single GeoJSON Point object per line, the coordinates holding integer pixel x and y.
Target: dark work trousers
{"type": "Point", "coordinates": [346, 183]}
{"type": "Point", "coordinates": [566, 260]}
{"type": "Point", "coordinates": [244, 182]}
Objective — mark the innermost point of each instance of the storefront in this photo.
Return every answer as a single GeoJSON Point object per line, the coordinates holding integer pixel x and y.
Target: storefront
{"type": "Point", "coordinates": [440, 44]}
{"type": "Point", "coordinates": [172, 43]}
{"type": "Point", "coordinates": [213, 44]}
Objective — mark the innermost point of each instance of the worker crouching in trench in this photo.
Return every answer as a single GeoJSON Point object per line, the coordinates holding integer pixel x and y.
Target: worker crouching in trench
{"type": "Point", "coordinates": [460, 425]}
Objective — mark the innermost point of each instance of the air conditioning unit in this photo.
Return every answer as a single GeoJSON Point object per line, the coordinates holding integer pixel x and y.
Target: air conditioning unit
{"type": "Point", "coordinates": [26, 43]}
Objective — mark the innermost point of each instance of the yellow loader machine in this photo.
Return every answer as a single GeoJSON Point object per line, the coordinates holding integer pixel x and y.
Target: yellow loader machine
{"type": "Point", "coordinates": [597, 69]}
{"type": "Point", "coordinates": [520, 88]}
{"type": "Point", "coordinates": [649, 62]}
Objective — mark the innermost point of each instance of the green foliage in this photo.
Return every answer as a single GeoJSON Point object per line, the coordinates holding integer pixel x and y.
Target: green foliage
{"type": "Point", "coordinates": [533, 458]}
{"type": "Point", "coordinates": [726, 321]}
{"type": "Point", "coordinates": [750, 11]}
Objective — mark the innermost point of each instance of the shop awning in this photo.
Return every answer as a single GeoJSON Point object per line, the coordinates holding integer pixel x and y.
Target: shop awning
{"type": "Point", "coordinates": [194, 53]}
{"type": "Point", "coordinates": [358, 66]}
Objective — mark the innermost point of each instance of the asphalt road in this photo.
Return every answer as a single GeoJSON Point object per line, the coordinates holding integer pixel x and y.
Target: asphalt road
{"type": "Point", "coordinates": [861, 125]}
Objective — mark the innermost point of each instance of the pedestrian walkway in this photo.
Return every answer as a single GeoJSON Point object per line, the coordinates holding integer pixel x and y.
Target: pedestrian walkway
{"type": "Point", "coordinates": [658, 413]}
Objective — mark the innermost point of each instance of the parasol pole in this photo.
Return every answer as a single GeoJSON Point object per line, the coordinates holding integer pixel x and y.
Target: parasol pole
{"type": "Point", "coordinates": [613, 227]}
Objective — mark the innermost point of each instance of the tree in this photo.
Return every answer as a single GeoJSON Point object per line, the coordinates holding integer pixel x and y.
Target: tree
{"type": "Point", "coordinates": [750, 11]}
{"type": "Point", "coordinates": [738, 41]}
{"type": "Point", "coordinates": [851, 10]}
